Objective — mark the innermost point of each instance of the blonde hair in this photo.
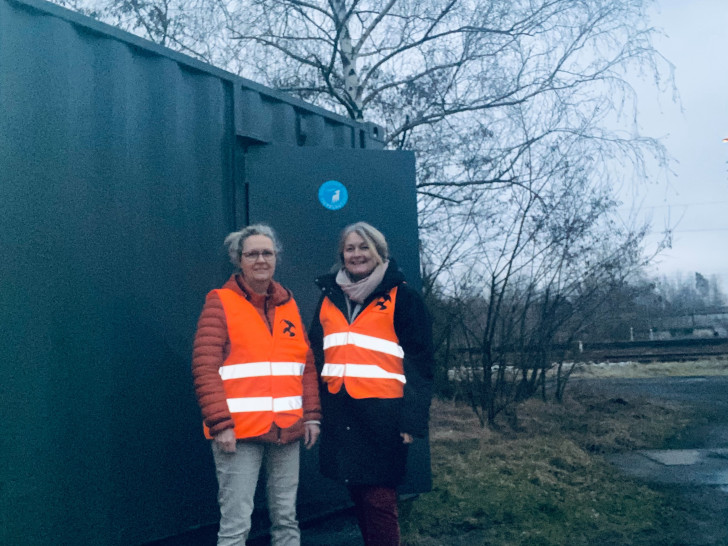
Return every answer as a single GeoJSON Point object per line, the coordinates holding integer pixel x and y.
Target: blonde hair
{"type": "Point", "coordinates": [374, 238]}
{"type": "Point", "coordinates": [235, 240]}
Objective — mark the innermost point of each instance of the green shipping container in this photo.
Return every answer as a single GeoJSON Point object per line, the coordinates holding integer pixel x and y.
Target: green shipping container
{"type": "Point", "coordinates": [123, 165]}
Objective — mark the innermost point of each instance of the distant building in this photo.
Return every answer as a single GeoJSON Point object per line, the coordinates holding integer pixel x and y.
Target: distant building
{"type": "Point", "coordinates": [712, 323]}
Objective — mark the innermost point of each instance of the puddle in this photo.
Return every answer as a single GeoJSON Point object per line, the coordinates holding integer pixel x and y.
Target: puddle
{"type": "Point", "coordinates": [674, 457]}
{"type": "Point", "coordinates": [719, 478]}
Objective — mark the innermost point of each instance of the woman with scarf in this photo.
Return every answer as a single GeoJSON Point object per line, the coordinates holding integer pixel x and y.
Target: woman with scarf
{"type": "Point", "coordinates": [372, 342]}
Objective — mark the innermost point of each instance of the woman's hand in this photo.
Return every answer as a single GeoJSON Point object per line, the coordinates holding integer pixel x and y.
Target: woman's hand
{"type": "Point", "coordinates": [226, 440]}
{"type": "Point", "coordinates": [311, 434]}
{"type": "Point", "coordinates": [406, 438]}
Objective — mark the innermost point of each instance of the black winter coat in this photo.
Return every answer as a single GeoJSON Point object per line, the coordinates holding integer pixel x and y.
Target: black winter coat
{"type": "Point", "coordinates": [360, 438]}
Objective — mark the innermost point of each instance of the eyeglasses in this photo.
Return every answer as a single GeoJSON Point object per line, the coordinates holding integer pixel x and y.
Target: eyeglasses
{"type": "Point", "coordinates": [253, 255]}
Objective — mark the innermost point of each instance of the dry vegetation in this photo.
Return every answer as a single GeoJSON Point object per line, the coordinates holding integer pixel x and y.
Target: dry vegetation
{"type": "Point", "coordinates": [539, 477]}
{"type": "Point", "coordinates": [712, 366]}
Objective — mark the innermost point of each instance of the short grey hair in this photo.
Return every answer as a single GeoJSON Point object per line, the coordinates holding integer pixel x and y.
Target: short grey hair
{"type": "Point", "coordinates": [236, 240]}
{"type": "Point", "coordinates": [371, 235]}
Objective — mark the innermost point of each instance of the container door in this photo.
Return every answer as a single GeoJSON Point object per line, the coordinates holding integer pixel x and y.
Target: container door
{"type": "Point", "coordinates": [294, 189]}
{"type": "Point", "coordinates": [375, 186]}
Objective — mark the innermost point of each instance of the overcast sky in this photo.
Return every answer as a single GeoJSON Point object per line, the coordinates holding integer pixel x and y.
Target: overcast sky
{"type": "Point", "coordinates": [696, 199]}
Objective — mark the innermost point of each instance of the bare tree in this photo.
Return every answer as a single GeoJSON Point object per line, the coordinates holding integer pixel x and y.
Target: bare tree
{"type": "Point", "coordinates": [419, 62]}
{"type": "Point", "coordinates": [523, 121]}
{"type": "Point", "coordinates": [457, 81]}
{"type": "Point", "coordinates": [527, 294]}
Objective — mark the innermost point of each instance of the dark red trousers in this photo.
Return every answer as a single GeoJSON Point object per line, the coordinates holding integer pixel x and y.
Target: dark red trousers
{"type": "Point", "coordinates": [376, 511]}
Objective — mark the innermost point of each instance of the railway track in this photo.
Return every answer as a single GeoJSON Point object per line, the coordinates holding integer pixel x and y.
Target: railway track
{"type": "Point", "coordinates": [658, 351]}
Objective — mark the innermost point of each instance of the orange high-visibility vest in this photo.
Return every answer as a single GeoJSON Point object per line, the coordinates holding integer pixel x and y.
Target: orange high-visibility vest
{"type": "Point", "coordinates": [364, 355]}
{"type": "Point", "coordinates": [263, 374]}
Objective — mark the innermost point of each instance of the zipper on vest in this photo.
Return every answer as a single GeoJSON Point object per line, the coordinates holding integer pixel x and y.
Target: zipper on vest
{"type": "Point", "coordinates": [265, 314]}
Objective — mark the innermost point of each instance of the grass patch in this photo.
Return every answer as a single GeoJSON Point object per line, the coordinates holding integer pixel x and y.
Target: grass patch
{"type": "Point", "coordinates": [708, 366]}
{"type": "Point", "coordinates": [545, 482]}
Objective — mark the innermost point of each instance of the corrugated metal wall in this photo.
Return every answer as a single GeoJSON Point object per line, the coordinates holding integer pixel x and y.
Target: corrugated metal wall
{"type": "Point", "coordinates": [121, 169]}
{"type": "Point", "coordinates": [104, 147]}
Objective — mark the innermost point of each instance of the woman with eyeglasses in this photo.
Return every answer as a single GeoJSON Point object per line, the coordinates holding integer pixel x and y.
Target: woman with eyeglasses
{"type": "Point", "coordinates": [257, 387]}
{"type": "Point", "coordinates": [372, 340]}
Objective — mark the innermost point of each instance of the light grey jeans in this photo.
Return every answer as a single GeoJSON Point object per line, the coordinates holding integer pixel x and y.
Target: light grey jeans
{"type": "Point", "coordinates": [237, 476]}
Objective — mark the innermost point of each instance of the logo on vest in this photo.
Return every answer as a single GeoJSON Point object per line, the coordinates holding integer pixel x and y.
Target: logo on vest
{"type": "Point", "coordinates": [382, 302]}
{"type": "Point", "coordinates": [289, 328]}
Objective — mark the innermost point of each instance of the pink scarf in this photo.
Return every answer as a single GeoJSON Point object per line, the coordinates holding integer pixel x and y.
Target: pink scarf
{"type": "Point", "coordinates": [359, 291]}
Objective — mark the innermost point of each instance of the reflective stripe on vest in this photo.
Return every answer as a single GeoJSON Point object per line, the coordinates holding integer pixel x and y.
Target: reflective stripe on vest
{"type": "Point", "coordinates": [364, 355]}
{"type": "Point", "coordinates": [260, 369]}
{"type": "Point", "coordinates": [263, 374]}
{"type": "Point", "coordinates": [360, 370]}
{"type": "Point", "coordinates": [363, 341]}
{"type": "Point", "coordinates": [264, 403]}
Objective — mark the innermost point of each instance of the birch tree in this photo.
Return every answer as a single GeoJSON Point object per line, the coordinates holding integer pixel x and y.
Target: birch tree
{"type": "Point", "coordinates": [522, 119]}
{"type": "Point", "coordinates": [408, 64]}
{"type": "Point", "coordinates": [490, 94]}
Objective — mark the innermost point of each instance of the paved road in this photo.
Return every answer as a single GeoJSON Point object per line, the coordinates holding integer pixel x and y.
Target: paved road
{"type": "Point", "coordinates": [694, 465]}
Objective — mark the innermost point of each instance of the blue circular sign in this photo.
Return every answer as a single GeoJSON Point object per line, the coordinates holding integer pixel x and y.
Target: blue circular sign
{"type": "Point", "coordinates": [333, 195]}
